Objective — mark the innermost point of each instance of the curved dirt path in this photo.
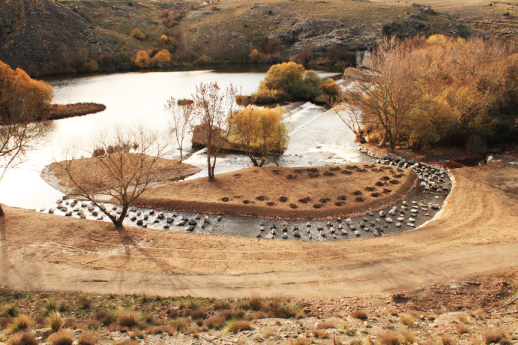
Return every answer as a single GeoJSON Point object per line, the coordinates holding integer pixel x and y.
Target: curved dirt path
{"type": "Point", "coordinates": [477, 233]}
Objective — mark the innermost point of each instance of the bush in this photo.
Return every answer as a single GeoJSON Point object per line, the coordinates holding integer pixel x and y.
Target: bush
{"type": "Point", "coordinates": [56, 321]}
{"type": "Point", "coordinates": [128, 318]}
{"type": "Point", "coordinates": [238, 326]}
{"type": "Point", "coordinates": [87, 338]}
{"type": "Point", "coordinates": [162, 58]}
{"type": "Point", "coordinates": [105, 317]}
{"type": "Point", "coordinates": [11, 310]}
{"type": "Point", "coordinates": [389, 338]}
{"type": "Point", "coordinates": [163, 39]}
{"type": "Point", "coordinates": [20, 323]}
{"type": "Point", "coordinates": [85, 302]}
{"type": "Point", "coordinates": [61, 338]}
{"type": "Point", "coordinates": [136, 33]}
{"type": "Point", "coordinates": [214, 322]}
{"type": "Point", "coordinates": [142, 59]}
{"type": "Point", "coordinates": [254, 56]}
{"type": "Point", "coordinates": [407, 319]}
{"type": "Point", "coordinates": [359, 314]}
{"type": "Point", "coordinates": [493, 336]}
{"type": "Point", "coordinates": [24, 338]}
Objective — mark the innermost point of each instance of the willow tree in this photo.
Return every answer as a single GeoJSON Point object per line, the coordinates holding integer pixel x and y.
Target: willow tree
{"type": "Point", "coordinates": [260, 131]}
{"type": "Point", "coordinates": [23, 105]}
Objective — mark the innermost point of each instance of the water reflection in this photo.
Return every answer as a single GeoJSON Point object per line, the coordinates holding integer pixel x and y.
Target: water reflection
{"type": "Point", "coordinates": [140, 97]}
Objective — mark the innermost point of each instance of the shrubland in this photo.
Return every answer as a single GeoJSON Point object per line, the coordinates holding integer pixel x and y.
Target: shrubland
{"type": "Point", "coordinates": [439, 90]}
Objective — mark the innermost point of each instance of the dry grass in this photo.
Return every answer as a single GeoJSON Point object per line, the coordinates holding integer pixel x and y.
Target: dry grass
{"type": "Point", "coordinates": [56, 321]}
{"type": "Point", "coordinates": [462, 328]}
{"type": "Point", "coordinates": [215, 322]}
{"type": "Point", "coordinates": [326, 325]}
{"type": "Point", "coordinates": [407, 319]}
{"type": "Point", "coordinates": [10, 311]}
{"type": "Point", "coordinates": [300, 341]}
{"type": "Point", "coordinates": [360, 314]}
{"type": "Point", "coordinates": [448, 339]}
{"type": "Point", "coordinates": [408, 336]}
{"type": "Point", "coordinates": [463, 318]}
{"type": "Point", "coordinates": [87, 338]}
{"type": "Point", "coordinates": [137, 333]}
{"type": "Point", "coordinates": [389, 338]}
{"type": "Point", "coordinates": [494, 336]}
{"type": "Point", "coordinates": [320, 334]}
{"type": "Point", "coordinates": [128, 318]}
{"type": "Point", "coordinates": [20, 323]}
{"type": "Point", "coordinates": [62, 337]}
{"type": "Point", "coordinates": [24, 338]}
{"type": "Point", "coordinates": [62, 111]}
{"type": "Point", "coordinates": [236, 326]}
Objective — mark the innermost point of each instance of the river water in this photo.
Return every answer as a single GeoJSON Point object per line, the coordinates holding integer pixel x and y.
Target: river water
{"type": "Point", "coordinates": [318, 137]}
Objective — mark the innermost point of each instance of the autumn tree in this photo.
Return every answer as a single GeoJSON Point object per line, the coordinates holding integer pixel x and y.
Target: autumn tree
{"type": "Point", "coordinates": [136, 33]}
{"type": "Point", "coordinates": [162, 58]}
{"type": "Point", "coordinates": [23, 105]}
{"type": "Point", "coordinates": [181, 120]}
{"type": "Point", "coordinates": [142, 59]}
{"type": "Point", "coordinates": [211, 104]}
{"type": "Point", "coordinates": [123, 166]}
{"type": "Point", "coordinates": [260, 131]}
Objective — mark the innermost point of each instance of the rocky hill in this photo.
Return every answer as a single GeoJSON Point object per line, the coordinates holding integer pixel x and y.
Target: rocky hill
{"type": "Point", "coordinates": [48, 36]}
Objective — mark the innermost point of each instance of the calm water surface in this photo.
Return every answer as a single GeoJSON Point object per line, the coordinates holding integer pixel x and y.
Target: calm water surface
{"type": "Point", "coordinates": [139, 97]}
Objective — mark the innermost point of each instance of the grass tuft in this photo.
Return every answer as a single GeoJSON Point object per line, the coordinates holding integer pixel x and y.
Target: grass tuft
{"type": "Point", "coordinates": [11, 311]}
{"type": "Point", "coordinates": [494, 336]}
{"type": "Point", "coordinates": [85, 302]}
{"type": "Point", "coordinates": [24, 338]}
{"type": "Point", "coordinates": [87, 338]}
{"type": "Point", "coordinates": [20, 323]}
{"type": "Point", "coordinates": [407, 320]}
{"type": "Point", "coordinates": [462, 328]}
{"type": "Point", "coordinates": [447, 339]}
{"type": "Point", "coordinates": [360, 314]}
{"type": "Point", "coordinates": [56, 321]}
{"type": "Point", "coordinates": [326, 325]}
{"type": "Point", "coordinates": [128, 318]}
{"type": "Point", "coordinates": [62, 337]}
{"type": "Point", "coordinates": [390, 338]}
{"type": "Point", "coordinates": [215, 322]}
{"type": "Point", "coordinates": [236, 326]}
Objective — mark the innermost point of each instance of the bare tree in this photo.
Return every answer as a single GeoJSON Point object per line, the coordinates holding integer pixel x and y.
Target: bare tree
{"type": "Point", "coordinates": [210, 108]}
{"type": "Point", "coordinates": [23, 105]}
{"type": "Point", "coordinates": [389, 97]}
{"type": "Point", "coordinates": [352, 117]}
{"type": "Point", "coordinates": [122, 167]}
{"type": "Point", "coordinates": [181, 121]}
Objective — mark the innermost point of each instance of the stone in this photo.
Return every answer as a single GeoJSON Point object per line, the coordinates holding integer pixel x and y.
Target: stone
{"type": "Point", "coordinates": [366, 229]}
{"type": "Point", "coordinates": [133, 218]}
{"type": "Point", "coordinates": [206, 220]}
{"type": "Point", "coordinates": [166, 227]}
{"type": "Point", "coordinates": [392, 212]}
{"type": "Point", "coordinates": [68, 214]}
{"type": "Point", "coordinates": [190, 228]}
{"type": "Point", "coordinates": [160, 216]}
{"type": "Point", "coordinates": [285, 236]}
{"type": "Point", "coordinates": [197, 216]}
{"type": "Point", "coordinates": [344, 232]}
{"type": "Point", "coordinates": [95, 214]}
{"type": "Point", "coordinates": [357, 233]}
{"type": "Point", "coordinates": [388, 220]}
{"type": "Point", "coordinates": [182, 222]}
{"type": "Point", "coordinates": [362, 225]}
{"type": "Point", "coordinates": [375, 232]}
{"type": "Point", "coordinates": [398, 224]}
{"type": "Point", "coordinates": [169, 220]}
{"type": "Point", "coordinates": [193, 222]}
{"type": "Point", "coordinates": [90, 207]}
{"type": "Point", "coordinates": [269, 236]}
{"type": "Point", "coordinates": [262, 223]}
{"type": "Point", "coordinates": [273, 226]}
{"type": "Point", "coordinates": [258, 235]}
{"type": "Point", "coordinates": [332, 230]}
{"type": "Point", "coordinates": [348, 221]}
{"type": "Point", "coordinates": [156, 221]}
{"type": "Point", "coordinates": [340, 226]}
{"type": "Point", "coordinates": [219, 218]}
{"type": "Point", "coordinates": [410, 225]}
{"type": "Point", "coordinates": [152, 212]}
{"type": "Point", "coordinates": [261, 228]}
{"type": "Point", "coordinates": [284, 229]}
{"type": "Point", "coordinates": [140, 222]}
{"type": "Point", "coordinates": [322, 234]}
{"type": "Point", "coordinates": [59, 201]}
{"type": "Point", "coordinates": [435, 206]}
{"type": "Point", "coordinates": [274, 232]}
{"type": "Point", "coordinates": [401, 219]}
{"type": "Point", "coordinates": [51, 210]}
{"type": "Point", "coordinates": [382, 213]}
{"type": "Point", "coordinates": [295, 227]}
{"type": "Point", "coordinates": [370, 213]}
{"type": "Point", "coordinates": [329, 224]}
{"type": "Point", "coordinates": [296, 234]}
{"type": "Point", "coordinates": [308, 224]}
{"type": "Point", "coordinates": [411, 220]}
{"type": "Point", "coordinates": [202, 225]}
{"type": "Point", "coordinates": [320, 228]}
{"type": "Point", "coordinates": [310, 236]}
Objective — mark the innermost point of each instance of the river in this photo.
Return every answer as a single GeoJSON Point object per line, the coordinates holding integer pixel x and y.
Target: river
{"type": "Point", "coordinates": [317, 137]}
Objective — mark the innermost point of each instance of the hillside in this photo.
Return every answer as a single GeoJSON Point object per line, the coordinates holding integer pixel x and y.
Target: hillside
{"type": "Point", "coordinates": [49, 37]}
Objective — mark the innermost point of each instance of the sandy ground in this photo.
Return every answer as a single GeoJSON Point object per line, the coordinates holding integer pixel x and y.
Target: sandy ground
{"type": "Point", "coordinates": [477, 233]}
{"type": "Point", "coordinates": [306, 193]}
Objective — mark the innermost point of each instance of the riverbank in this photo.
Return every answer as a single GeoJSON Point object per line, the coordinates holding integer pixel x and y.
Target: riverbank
{"type": "Point", "coordinates": [63, 111]}
{"type": "Point", "coordinates": [475, 234]}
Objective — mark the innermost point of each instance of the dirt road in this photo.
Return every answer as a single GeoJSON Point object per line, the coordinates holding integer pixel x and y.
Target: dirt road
{"type": "Point", "coordinates": [477, 233]}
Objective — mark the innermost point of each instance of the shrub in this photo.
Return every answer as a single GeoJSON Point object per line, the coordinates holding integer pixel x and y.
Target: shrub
{"type": "Point", "coordinates": [105, 317]}
{"type": "Point", "coordinates": [493, 336]}
{"type": "Point", "coordinates": [320, 334]}
{"type": "Point", "coordinates": [24, 338]}
{"type": "Point", "coordinates": [238, 326]}
{"type": "Point", "coordinates": [87, 338]}
{"type": "Point", "coordinates": [136, 33]}
{"type": "Point", "coordinates": [462, 328]}
{"type": "Point", "coordinates": [447, 339]}
{"type": "Point", "coordinates": [359, 314]}
{"type": "Point", "coordinates": [162, 58]}
{"type": "Point", "coordinates": [408, 337]}
{"type": "Point", "coordinates": [62, 337]}
{"type": "Point", "coordinates": [142, 59]}
{"type": "Point", "coordinates": [179, 324]}
{"type": "Point", "coordinates": [20, 323]}
{"type": "Point", "coordinates": [50, 305]}
{"type": "Point", "coordinates": [214, 322]}
{"type": "Point", "coordinates": [407, 319]}
{"type": "Point", "coordinates": [85, 302]}
{"type": "Point", "coordinates": [163, 39]}
{"type": "Point", "coordinates": [326, 325]}
{"type": "Point", "coordinates": [137, 333]}
{"type": "Point", "coordinates": [254, 56]}
{"type": "Point", "coordinates": [56, 321]}
{"type": "Point", "coordinates": [11, 310]}
{"type": "Point", "coordinates": [202, 60]}
{"type": "Point", "coordinates": [389, 338]}
{"type": "Point", "coordinates": [128, 318]}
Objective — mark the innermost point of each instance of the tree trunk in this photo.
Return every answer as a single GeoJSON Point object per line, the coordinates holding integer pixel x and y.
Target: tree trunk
{"type": "Point", "coordinates": [1, 211]}
{"type": "Point", "coordinates": [125, 208]}
{"type": "Point", "coordinates": [181, 155]}
{"type": "Point", "coordinates": [383, 140]}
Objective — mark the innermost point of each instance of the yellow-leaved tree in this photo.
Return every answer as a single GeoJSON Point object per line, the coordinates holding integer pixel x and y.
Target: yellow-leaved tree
{"type": "Point", "coordinates": [142, 59]}
{"type": "Point", "coordinates": [260, 131]}
{"type": "Point", "coordinates": [162, 58]}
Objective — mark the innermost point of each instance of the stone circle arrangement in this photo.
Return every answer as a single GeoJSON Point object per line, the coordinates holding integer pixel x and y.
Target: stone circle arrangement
{"type": "Point", "coordinates": [419, 206]}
